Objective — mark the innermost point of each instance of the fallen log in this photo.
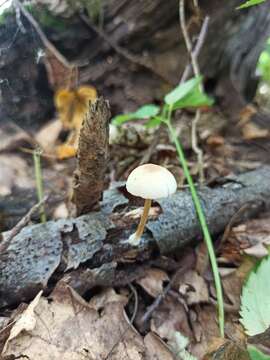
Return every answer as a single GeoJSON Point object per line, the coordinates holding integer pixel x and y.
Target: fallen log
{"type": "Point", "coordinates": [96, 241]}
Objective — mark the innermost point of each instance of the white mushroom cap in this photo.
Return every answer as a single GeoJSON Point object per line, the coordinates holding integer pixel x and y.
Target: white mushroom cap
{"type": "Point", "coordinates": [150, 181]}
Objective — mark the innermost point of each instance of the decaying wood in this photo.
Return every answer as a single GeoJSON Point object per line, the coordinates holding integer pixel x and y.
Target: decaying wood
{"type": "Point", "coordinates": [21, 224]}
{"type": "Point", "coordinates": [40, 252]}
{"type": "Point", "coordinates": [92, 157]}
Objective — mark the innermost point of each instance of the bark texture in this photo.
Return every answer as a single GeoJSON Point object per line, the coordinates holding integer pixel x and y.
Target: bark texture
{"type": "Point", "coordinates": [93, 153]}
{"type": "Point", "coordinates": [95, 242]}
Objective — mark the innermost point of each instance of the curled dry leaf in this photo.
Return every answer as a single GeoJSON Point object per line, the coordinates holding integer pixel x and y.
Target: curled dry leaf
{"type": "Point", "coordinates": [170, 317]}
{"type": "Point", "coordinates": [153, 281]}
{"type": "Point", "coordinates": [253, 237]}
{"type": "Point", "coordinates": [156, 349]}
{"type": "Point", "coordinates": [26, 321]}
{"type": "Point", "coordinates": [251, 131]}
{"type": "Point", "coordinates": [68, 328]}
{"type": "Point", "coordinates": [193, 287]}
{"type": "Point", "coordinates": [47, 136]}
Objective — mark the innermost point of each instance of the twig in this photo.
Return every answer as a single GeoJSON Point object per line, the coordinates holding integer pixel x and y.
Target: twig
{"type": "Point", "coordinates": [18, 18]}
{"type": "Point", "coordinates": [194, 144]}
{"type": "Point", "coordinates": [21, 224]}
{"type": "Point", "coordinates": [149, 152]}
{"type": "Point", "coordinates": [232, 222]}
{"type": "Point", "coordinates": [39, 183]}
{"type": "Point", "coordinates": [42, 35]}
{"type": "Point", "coordinates": [136, 303]}
{"type": "Point", "coordinates": [162, 296]}
{"type": "Point", "coordinates": [123, 52]}
{"type": "Point", "coordinates": [196, 70]}
{"type": "Point", "coordinates": [197, 48]}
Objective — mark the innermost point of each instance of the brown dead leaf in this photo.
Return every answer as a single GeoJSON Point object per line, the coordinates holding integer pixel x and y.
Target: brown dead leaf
{"type": "Point", "coordinates": [66, 327]}
{"type": "Point", "coordinates": [194, 288]}
{"type": "Point", "coordinates": [26, 321]}
{"type": "Point", "coordinates": [253, 237]}
{"type": "Point", "coordinates": [153, 281]}
{"type": "Point", "coordinates": [14, 172]}
{"type": "Point", "coordinates": [156, 349]}
{"type": "Point", "coordinates": [229, 350]}
{"type": "Point", "coordinates": [48, 135]}
{"type": "Point", "coordinates": [251, 131]}
{"type": "Point", "coordinates": [215, 140]}
{"type": "Point", "coordinates": [170, 317]}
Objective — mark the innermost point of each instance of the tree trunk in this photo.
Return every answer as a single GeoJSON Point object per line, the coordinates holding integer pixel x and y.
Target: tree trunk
{"type": "Point", "coordinates": [137, 56]}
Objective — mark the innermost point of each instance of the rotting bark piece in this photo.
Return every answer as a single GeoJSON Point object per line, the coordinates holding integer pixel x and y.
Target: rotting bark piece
{"type": "Point", "coordinates": [178, 223]}
{"type": "Point", "coordinates": [29, 261]}
{"type": "Point", "coordinates": [92, 155]}
{"type": "Point", "coordinates": [37, 251]}
{"type": "Point", "coordinates": [24, 267]}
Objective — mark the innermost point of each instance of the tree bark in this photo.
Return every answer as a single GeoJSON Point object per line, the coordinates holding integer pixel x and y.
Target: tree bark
{"type": "Point", "coordinates": [92, 157]}
{"type": "Point", "coordinates": [97, 241]}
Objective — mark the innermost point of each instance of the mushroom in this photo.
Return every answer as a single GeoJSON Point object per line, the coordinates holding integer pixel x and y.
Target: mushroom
{"type": "Point", "coordinates": [150, 182]}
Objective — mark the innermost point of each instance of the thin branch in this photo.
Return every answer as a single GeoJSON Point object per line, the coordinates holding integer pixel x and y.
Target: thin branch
{"type": "Point", "coordinates": [165, 292]}
{"type": "Point", "coordinates": [197, 48]}
{"type": "Point", "coordinates": [42, 35]}
{"type": "Point", "coordinates": [18, 18]}
{"type": "Point", "coordinates": [196, 70]}
{"type": "Point", "coordinates": [188, 42]}
{"type": "Point", "coordinates": [21, 224]}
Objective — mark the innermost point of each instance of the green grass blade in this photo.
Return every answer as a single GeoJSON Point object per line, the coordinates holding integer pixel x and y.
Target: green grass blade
{"type": "Point", "coordinates": [202, 220]}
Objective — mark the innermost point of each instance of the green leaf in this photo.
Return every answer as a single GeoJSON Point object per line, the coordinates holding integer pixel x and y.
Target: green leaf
{"type": "Point", "coordinates": [147, 111]}
{"type": "Point", "coordinates": [195, 99]}
{"type": "Point", "coordinates": [256, 354]}
{"type": "Point", "coordinates": [255, 304]}
{"type": "Point", "coordinates": [182, 90]}
{"type": "Point", "coordinates": [155, 121]}
{"type": "Point", "coordinates": [144, 112]}
{"type": "Point", "coordinates": [250, 3]}
{"type": "Point", "coordinates": [120, 119]}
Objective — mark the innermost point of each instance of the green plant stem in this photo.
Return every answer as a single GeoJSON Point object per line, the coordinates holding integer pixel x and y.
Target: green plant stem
{"type": "Point", "coordinates": [39, 183]}
{"type": "Point", "coordinates": [201, 216]}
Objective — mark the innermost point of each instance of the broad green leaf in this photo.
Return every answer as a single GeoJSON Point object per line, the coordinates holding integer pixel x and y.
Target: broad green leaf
{"type": "Point", "coordinates": [256, 354]}
{"type": "Point", "coordinates": [147, 111]}
{"type": "Point", "coordinates": [195, 99]}
{"type": "Point", "coordinates": [120, 119]}
{"type": "Point", "coordinates": [155, 121]}
{"type": "Point", "coordinates": [250, 3]}
{"type": "Point", "coordinates": [255, 304]}
{"type": "Point", "coordinates": [182, 90]}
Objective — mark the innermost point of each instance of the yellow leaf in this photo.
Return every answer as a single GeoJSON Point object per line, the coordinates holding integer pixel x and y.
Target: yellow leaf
{"type": "Point", "coordinates": [73, 104]}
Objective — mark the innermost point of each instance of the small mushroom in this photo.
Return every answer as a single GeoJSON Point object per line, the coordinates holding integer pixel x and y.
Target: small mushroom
{"type": "Point", "coordinates": [150, 182]}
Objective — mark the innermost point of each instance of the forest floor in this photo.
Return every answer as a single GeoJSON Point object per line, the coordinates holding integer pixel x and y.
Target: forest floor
{"type": "Point", "coordinates": [115, 322]}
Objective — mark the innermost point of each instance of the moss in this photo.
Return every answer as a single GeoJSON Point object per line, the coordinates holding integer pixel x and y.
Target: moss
{"type": "Point", "coordinates": [43, 16]}
{"type": "Point", "coordinates": [94, 9]}
{"type": "Point", "coordinates": [3, 17]}
{"type": "Point", "coordinates": [47, 19]}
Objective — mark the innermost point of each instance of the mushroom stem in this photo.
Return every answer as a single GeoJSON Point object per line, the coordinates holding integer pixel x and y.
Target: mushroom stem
{"type": "Point", "coordinates": [146, 208]}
